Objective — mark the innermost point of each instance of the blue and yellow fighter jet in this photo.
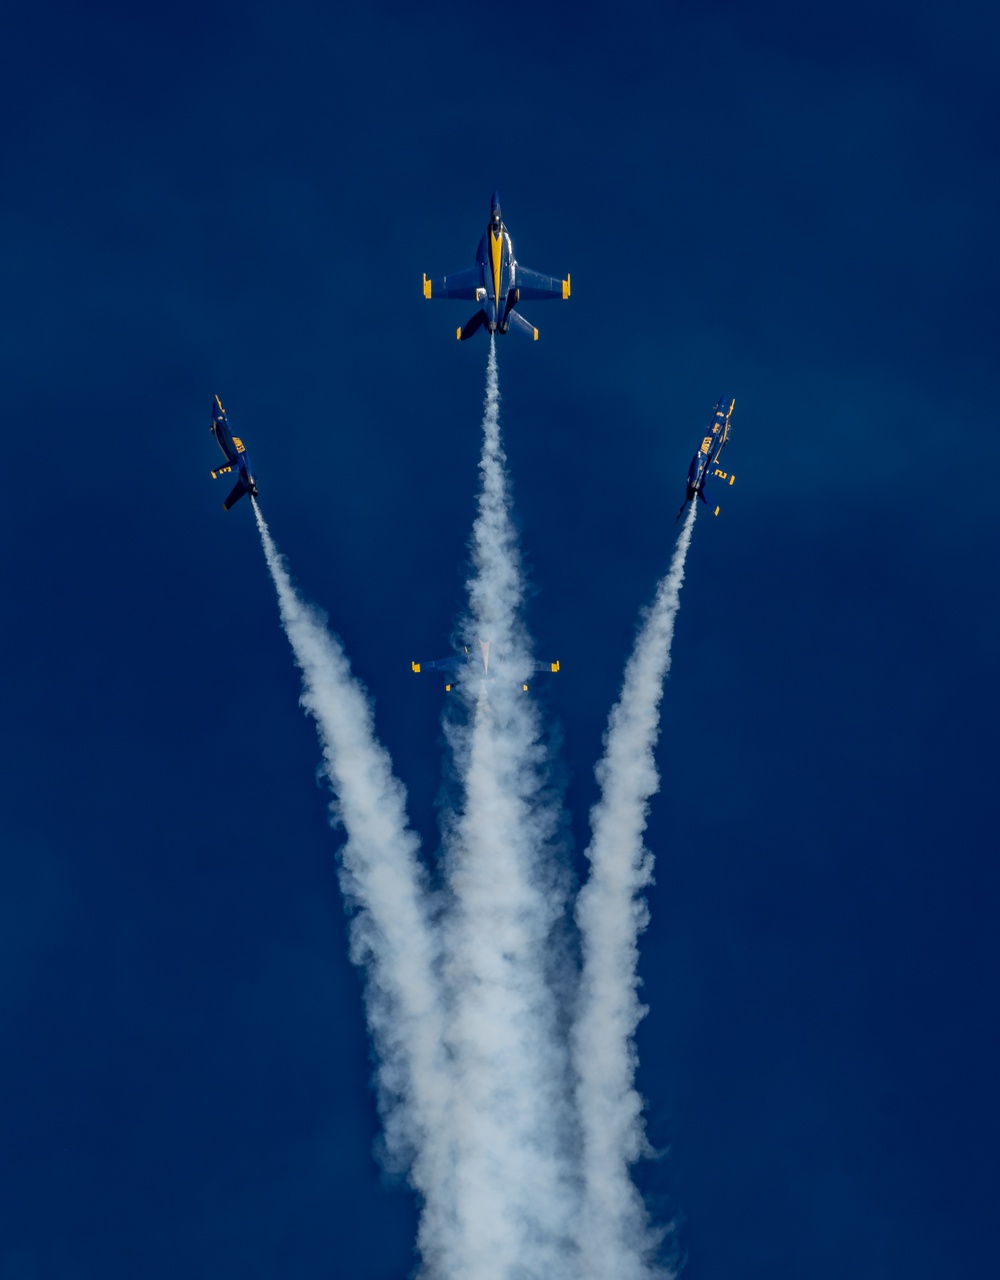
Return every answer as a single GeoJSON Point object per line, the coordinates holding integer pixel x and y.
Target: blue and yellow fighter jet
{"type": "Point", "coordinates": [708, 457]}
{"type": "Point", "coordinates": [497, 283]}
{"type": "Point", "coordinates": [236, 456]}
{"type": "Point", "coordinates": [451, 666]}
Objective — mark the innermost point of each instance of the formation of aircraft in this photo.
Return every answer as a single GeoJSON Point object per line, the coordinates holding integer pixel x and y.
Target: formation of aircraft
{"type": "Point", "coordinates": [236, 457]}
{"type": "Point", "coordinates": [707, 458]}
{"type": "Point", "coordinates": [497, 282]}
{"type": "Point", "coordinates": [451, 666]}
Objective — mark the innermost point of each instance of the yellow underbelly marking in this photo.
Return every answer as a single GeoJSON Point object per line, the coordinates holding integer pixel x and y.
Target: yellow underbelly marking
{"type": "Point", "coordinates": [496, 257]}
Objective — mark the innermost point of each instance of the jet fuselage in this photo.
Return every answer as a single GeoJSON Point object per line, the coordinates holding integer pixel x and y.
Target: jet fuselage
{"type": "Point", "coordinates": [236, 456]}
{"type": "Point", "coordinates": [704, 462]}
{"type": "Point", "coordinates": [495, 256]}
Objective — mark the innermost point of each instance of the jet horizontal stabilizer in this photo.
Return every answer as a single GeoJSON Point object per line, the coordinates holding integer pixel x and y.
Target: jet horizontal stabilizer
{"type": "Point", "coordinates": [237, 493]}
{"type": "Point", "coordinates": [708, 496]}
{"type": "Point", "coordinates": [472, 326]}
{"type": "Point", "coordinates": [520, 325]}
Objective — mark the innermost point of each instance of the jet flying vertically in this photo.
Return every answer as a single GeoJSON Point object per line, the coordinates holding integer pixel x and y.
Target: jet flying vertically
{"type": "Point", "coordinates": [451, 666]}
{"type": "Point", "coordinates": [497, 282]}
{"type": "Point", "coordinates": [705, 461]}
{"type": "Point", "coordinates": [236, 456]}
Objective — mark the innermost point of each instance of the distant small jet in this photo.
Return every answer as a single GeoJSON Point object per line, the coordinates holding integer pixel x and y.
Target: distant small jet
{"type": "Point", "coordinates": [497, 282]}
{"type": "Point", "coordinates": [707, 457]}
{"type": "Point", "coordinates": [236, 456]}
{"type": "Point", "coordinates": [455, 663]}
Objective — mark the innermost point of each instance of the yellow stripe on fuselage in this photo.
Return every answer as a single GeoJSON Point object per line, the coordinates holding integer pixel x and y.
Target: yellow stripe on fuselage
{"type": "Point", "coordinates": [496, 258]}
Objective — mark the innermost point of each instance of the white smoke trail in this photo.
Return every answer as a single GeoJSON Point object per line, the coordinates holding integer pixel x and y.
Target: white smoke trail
{"type": "Point", "coordinates": [616, 1240]}
{"type": "Point", "coordinates": [391, 931]}
{"type": "Point", "coordinates": [516, 1192]}
{"type": "Point", "coordinates": [496, 589]}
{"type": "Point", "coordinates": [522, 1156]}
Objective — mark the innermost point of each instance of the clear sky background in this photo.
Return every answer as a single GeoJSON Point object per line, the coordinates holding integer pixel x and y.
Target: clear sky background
{"type": "Point", "coordinates": [798, 210]}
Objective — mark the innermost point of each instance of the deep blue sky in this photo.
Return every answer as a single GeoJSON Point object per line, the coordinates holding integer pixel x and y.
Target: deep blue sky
{"type": "Point", "coordinates": [793, 209]}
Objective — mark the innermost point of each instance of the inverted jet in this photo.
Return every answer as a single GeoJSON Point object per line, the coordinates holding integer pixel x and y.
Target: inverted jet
{"type": "Point", "coordinates": [497, 282]}
{"type": "Point", "coordinates": [451, 666]}
{"type": "Point", "coordinates": [705, 462]}
{"type": "Point", "coordinates": [237, 457]}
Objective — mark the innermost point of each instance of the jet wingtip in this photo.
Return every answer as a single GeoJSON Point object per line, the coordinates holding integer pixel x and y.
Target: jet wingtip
{"type": "Point", "coordinates": [427, 286]}
{"type": "Point", "coordinates": [565, 287]}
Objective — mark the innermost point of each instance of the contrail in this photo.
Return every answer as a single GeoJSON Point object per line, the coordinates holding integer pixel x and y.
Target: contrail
{"type": "Point", "coordinates": [516, 1191]}
{"type": "Point", "coordinates": [392, 935]}
{"type": "Point", "coordinates": [519, 1138]}
{"type": "Point", "coordinates": [615, 1237]}
{"type": "Point", "coordinates": [496, 589]}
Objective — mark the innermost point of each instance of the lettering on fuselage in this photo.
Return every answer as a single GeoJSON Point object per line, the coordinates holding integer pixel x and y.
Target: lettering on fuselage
{"type": "Point", "coordinates": [239, 444]}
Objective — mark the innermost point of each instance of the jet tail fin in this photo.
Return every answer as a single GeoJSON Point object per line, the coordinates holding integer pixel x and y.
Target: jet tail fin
{"type": "Point", "coordinates": [477, 322]}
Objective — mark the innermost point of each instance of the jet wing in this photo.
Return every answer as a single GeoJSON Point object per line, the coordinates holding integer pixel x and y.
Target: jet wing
{"type": "Point", "coordinates": [720, 479]}
{"type": "Point", "coordinates": [722, 428]}
{"type": "Point", "coordinates": [460, 284]}
{"type": "Point", "coordinates": [532, 284]}
{"type": "Point", "coordinates": [540, 667]}
{"type": "Point", "coordinates": [440, 664]}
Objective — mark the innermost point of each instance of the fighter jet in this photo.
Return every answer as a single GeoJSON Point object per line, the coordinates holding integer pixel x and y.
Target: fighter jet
{"type": "Point", "coordinates": [706, 459]}
{"type": "Point", "coordinates": [497, 283]}
{"type": "Point", "coordinates": [236, 456]}
{"type": "Point", "coordinates": [451, 666]}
